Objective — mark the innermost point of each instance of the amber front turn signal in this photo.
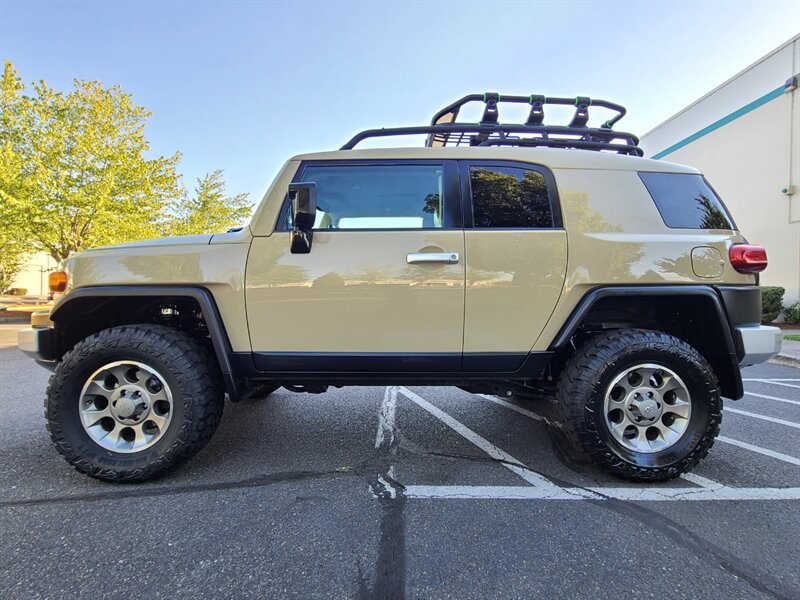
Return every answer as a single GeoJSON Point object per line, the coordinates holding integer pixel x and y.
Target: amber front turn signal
{"type": "Point", "coordinates": [57, 281]}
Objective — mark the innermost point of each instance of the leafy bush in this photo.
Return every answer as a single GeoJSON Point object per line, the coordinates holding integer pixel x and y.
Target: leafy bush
{"type": "Point", "coordinates": [17, 291]}
{"type": "Point", "coordinates": [771, 303]}
{"type": "Point", "coordinates": [792, 314]}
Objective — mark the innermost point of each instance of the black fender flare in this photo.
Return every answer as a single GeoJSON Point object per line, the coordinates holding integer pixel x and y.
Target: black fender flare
{"type": "Point", "coordinates": [204, 298]}
{"type": "Point", "coordinates": [733, 389]}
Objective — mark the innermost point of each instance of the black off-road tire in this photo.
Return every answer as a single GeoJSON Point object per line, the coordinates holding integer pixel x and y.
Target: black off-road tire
{"type": "Point", "coordinates": [594, 365]}
{"type": "Point", "coordinates": [188, 369]}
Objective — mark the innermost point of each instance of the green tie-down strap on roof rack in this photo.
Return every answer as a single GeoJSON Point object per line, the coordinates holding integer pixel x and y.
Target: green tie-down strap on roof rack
{"type": "Point", "coordinates": [446, 130]}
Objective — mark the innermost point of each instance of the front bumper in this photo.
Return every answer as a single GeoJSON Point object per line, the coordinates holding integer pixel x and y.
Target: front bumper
{"type": "Point", "coordinates": [38, 342]}
{"type": "Point", "coordinates": [760, 343]}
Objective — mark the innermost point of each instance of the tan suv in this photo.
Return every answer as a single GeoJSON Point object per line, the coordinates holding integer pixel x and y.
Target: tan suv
{"type": "Point", "coordinates": [525, 258]}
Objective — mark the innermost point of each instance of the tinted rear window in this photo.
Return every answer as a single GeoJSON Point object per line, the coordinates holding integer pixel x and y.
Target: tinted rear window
{"type": "Point", "coordinates": [506, 197]}
{"type": "Point", "coordinates": [686, 201]}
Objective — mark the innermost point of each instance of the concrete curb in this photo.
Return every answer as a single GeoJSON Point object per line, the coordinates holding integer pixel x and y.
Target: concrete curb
{"type": "Point", "coordinates": [786, 361]}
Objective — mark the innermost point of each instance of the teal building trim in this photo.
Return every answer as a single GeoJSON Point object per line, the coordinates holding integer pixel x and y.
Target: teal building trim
{"type": "Point", "coordinates": [777, 92]}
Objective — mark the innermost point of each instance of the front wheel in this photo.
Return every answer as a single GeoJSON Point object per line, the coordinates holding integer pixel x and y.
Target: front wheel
{"type": "Point", "coordinates": [130, 402]}
{"type": "Point", "coordinates": [641, 404]}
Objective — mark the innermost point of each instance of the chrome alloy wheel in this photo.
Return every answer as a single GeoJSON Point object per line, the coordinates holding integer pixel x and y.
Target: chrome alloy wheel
{"type": "Point", "coordinates": [647, 408]}
{"type": "Point", "coordinates": [125, 406]}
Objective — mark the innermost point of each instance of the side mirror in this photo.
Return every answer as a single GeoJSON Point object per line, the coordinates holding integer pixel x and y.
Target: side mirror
{"type": "Point", "coordinates": [304, 212]}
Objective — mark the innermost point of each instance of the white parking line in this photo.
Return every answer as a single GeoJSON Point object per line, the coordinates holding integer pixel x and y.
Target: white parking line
{"type": "Point", "coordinates": [522, 411]}
{"type": "Point", "coordinates": [544, 485]}
{"type": "Point", "coordinates": [759, 450]}
{"type": "Point", "coordinates": [703, 482]}
{"type": "Point", "coordinates": [635, 494]}
{"type": "Point", "coordinates": [763, 417]}
{"type": "Point", "coordinates": [796, 402]}
{"type": "Point", "coordinates": [776, 382]}
{"type": "Point", "coordinates": [386, 418]}
{"type": "Point", "coordinates": [543, 489]}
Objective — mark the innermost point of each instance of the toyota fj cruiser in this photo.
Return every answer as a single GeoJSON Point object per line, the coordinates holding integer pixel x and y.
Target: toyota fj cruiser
{"type": "Point", "coordinates": [520, 258]}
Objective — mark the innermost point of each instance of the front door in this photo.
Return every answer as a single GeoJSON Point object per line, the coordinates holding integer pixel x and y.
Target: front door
{"type": "Point", "coordinates": [382, 290]}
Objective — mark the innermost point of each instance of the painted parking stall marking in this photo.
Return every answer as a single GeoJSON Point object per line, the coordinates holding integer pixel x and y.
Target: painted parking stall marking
{"type": "Point", "coordinates": [753, 415]}
{"type": "Point", "coordinates": [537, 486]}
{"type": "Point", "coordinates": [781, 382]}
{"type": "Point", "coordinates": [770, 379]}
{"type": "Point", "coordinates": [759, 450]}
{"type": "Point", "coordinates": [765, 397]}
{"type": "Point", "coordinates": [512, 464]}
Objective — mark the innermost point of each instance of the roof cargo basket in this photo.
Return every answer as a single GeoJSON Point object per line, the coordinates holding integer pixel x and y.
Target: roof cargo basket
{"type": "Point", "coordinates": [445, 130]}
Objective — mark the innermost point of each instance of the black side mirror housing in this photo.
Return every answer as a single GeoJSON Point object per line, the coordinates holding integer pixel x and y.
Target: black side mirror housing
{"type": "Point", "coordinates": [303, 197]}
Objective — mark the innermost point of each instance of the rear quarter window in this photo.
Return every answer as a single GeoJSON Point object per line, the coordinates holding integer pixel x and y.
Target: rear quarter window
{"type": "Point", "coordinates": [686, 201]}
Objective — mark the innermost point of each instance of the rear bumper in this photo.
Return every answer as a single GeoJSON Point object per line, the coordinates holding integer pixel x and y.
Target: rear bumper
{"type": "Point", "coordinates": [758, 342]}
{"type": "Point", "coordinates": [38, 342]}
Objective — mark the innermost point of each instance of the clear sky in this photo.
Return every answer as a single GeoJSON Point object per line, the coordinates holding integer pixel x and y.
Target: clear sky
{"type": "Point", "coordinates": [244, 85]}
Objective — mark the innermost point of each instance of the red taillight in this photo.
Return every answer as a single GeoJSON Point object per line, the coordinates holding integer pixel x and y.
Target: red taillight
{"type": "Point", "coordinates": [746, 258]}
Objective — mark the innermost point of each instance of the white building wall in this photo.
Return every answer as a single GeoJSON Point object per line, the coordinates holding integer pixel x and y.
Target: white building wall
{"type": "Point", "coordinates": [745, 137]}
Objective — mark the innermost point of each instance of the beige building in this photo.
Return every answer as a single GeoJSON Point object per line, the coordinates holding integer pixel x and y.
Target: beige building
{"type": "Point", "coordinates": [745, 137]}
{"type": "Point", "coordinates": [33, 275]}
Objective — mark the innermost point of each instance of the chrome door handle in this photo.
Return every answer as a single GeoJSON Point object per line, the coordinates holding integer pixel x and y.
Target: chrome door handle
{"type": "Point", "coordinates": [450, 258]}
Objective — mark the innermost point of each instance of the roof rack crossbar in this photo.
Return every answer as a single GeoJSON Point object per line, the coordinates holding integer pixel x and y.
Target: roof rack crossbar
{"type": "Point", "coordinates": [601, 139]}
{"type": "Point", "coordinates": [577, 144]}
{"type": "Point", "coordinates": [456, 106]}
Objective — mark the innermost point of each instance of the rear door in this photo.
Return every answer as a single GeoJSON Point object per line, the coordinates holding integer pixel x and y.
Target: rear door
{"type": "Point", "coordinates": [382, 289]}
{"type": "Point", "coordinates": [516, 250]}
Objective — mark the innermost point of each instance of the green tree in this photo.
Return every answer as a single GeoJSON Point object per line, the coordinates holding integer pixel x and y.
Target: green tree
{"type": "Point", "coordinates": [13, 225]}
{"type": "Point", "coordinates": [211, 210]}
{"type": "Point", "coordinates": [73, 169]}
{"type": "Point", "coordinates": [12, 255]}
{"type": "Point", "coordinates": [13, 228]}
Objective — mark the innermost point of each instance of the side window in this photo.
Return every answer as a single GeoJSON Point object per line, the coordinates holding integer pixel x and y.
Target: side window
{"type": "Point", "coordinates": [509, 197]}
{"type": "Point", "coordinates": [685, 200]}
{"type": "Point", "coordinates": [377, 196]}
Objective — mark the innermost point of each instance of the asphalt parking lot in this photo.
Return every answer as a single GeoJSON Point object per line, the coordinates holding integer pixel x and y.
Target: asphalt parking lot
{"type": "Point", "coordinates": [395, 492]}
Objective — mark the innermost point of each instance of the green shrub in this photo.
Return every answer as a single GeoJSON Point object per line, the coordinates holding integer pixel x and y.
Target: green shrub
{"type": "Point", "coordinates": [771, 303]}
{"type": "Point", "coordinates": [17, 291]}
{"type": "Point", "coordinates": [792, 314]}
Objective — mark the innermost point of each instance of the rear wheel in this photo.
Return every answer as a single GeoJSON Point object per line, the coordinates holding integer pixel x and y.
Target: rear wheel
{"type": "Point", "coordinates": [130, 402]}
{"type": "Point", "coordinates": [643, 405]}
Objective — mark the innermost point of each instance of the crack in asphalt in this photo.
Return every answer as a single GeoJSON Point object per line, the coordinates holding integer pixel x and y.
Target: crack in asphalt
{"type": "Point", "coordinates": [389, 580]}
{"type": "Point", "coordinates": [254, 482]}
{"type": "Point", "coordinates": [681, 535]}
{"type": "Point", "coordinates": [702, 548]}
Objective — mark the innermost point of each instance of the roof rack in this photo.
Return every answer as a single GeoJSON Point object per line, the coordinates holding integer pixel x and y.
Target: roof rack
{"type": "Point", "coordinates": [445, 131]}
